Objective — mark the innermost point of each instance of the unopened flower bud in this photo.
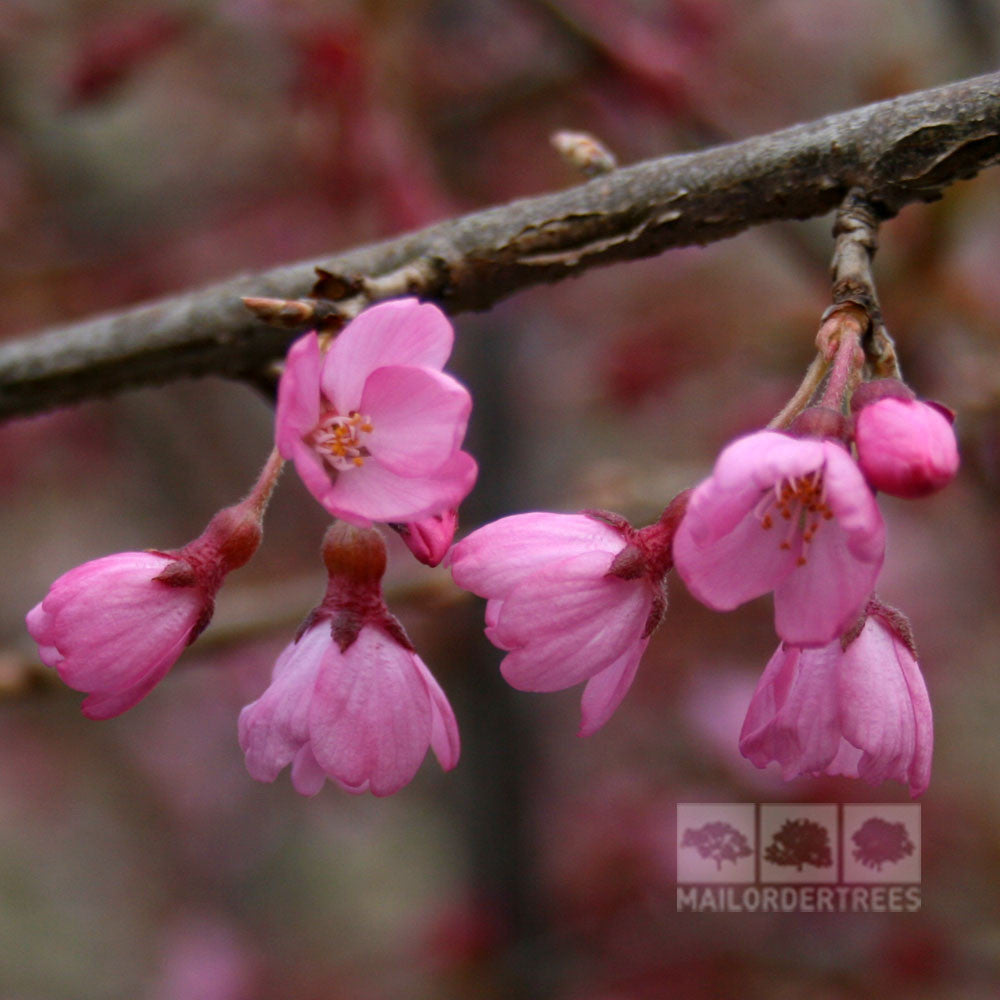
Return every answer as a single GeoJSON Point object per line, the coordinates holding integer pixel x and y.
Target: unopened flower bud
{"type": "Point", "coordinates": [906, 447]}
{"type": "Point", "coordinates": [115, 626]}
{"type": "Point", "coordinates": [430, 538]}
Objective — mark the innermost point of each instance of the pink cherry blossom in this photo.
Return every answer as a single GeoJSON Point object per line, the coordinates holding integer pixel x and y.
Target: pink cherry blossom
{"type": "Point", "coordinates": [430, 538]}
{"type": "Point", "coordinates": [363, 716]}
{"type": "Point", "coordinates": [115, 626]}
{"type": "Point", "coordinates": [349, 699]}
{"type": "Point", "coordinates": [860, 711]}
{"type": "Point", "coordinates": [374, 426]}
{"type": "Point", "coordinates": [905, 447]}
{"type": "Point", "coordinates": [555, 606]}
{"type": "Point", "coordinates": [792, 515]}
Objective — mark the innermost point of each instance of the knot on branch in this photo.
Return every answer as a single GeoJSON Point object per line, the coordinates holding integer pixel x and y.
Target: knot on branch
{"type": "Point", "coordinates": [856, 231]}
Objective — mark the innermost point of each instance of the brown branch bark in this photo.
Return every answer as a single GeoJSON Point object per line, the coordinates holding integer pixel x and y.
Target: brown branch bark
{"type": "Point", "coordinates": [895, 152]}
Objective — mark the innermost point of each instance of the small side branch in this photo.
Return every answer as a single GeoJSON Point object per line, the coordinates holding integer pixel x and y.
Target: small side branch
{"type": "Point", "coordinates": [897, 152]}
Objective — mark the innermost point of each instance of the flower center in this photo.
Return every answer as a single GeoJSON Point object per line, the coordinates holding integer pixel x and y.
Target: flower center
{"type": "Point", "coordinates": [801, 502]}
{"type": "Point", "coordinates": [340, 440]}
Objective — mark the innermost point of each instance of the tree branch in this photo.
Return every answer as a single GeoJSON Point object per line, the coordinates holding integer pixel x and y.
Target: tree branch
{"type": "Point", "coordinates": [895, 152]}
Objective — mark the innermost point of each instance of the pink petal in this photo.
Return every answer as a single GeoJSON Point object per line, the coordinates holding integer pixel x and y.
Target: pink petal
{"type": "Point", "coordinates": [399, 332]}
{"type": "Point", "coordinates": [886, 712]}
{"type": "Point", "coordinates": [375, 493]}
{"type": "Point", "coordinates": [274, 727]}
{"type": "Point", "coordinates": [853, 505]}
{"type": "Point", "coordinates": [316, 475]}
{"type": "Point", "coordinates": [308, 777]}
{"type": "Point", "coordinates": [845, 761]}
{"type": "Point", "coordinates": [298, 394]}
{"type": "Point", "coordinates": [419, 418]}
{"type": "Point", "coordinates": [821, 599]}
{"type": "Point", "coordinates": [498, 556]}
{"type": "Point", "coordinates": [444, 728]}
{"type": "Point", "coordinates": [735, 567]}
{"type": "Point", "coordinates": [743, 472]}
{"type": "Point", "coordinates": [605, 690]}
{"type": "Point", "coordinates": [568, 621]}
{"type": "Point", "coordinates": [794, 715]}
{"type": "Point", "coordinates": [106, 705]}
{"type": "Point", "coordinates": [370, 718]}
{"type": "Point", "coordinates": [39, 623]}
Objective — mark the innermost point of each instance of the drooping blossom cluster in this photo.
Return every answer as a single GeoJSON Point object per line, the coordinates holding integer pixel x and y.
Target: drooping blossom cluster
{"type": "Point", "coordinates": [797, 516]}
{"type": "Point", "coordinates": [574, 597]}
{"type": "Point", "coordinates": [374, 428]}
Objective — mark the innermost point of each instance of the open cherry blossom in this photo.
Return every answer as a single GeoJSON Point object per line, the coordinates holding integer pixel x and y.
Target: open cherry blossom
{"type": "Point", "coordinates": [788, 514]}
{"type": "Point", "coordinates": [374, 426]}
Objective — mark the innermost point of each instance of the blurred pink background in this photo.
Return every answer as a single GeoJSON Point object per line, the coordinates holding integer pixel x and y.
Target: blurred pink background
{"type": "Point", "coordinates": [154, 145]}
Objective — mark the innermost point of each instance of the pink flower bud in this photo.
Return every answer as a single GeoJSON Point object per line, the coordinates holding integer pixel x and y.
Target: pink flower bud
{"type": "Point", "coordinates": [115, 626]}
{"type": "Point", "coordinates": [906, 448]}
{"type": "Point", "coordinates": [430, 538]}
{"type": "Point", "coordinates": [349, 698]}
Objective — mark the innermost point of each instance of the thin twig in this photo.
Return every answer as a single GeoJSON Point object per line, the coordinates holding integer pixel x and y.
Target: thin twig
{"type": "Point", "coordinates": [856, 232]}
{"type": "Point", "coordinates": [896, 152]}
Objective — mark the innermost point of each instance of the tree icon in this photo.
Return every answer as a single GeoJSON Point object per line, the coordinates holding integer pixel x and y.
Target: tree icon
{"type": "Point", "coordinates": [718, 841]}
{"type": "Point", "coordinates": [800, 842]}
{"type": "Point", "coordinates": [879, 841]}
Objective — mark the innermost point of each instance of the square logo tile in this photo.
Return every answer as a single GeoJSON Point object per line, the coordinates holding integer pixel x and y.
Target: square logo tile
{"type": "Point", "coordinates": [798, 843]}
{"type": "Point", "coordinates": [715, 842]}
{"type": "Point", "coordinates": [882, 843]}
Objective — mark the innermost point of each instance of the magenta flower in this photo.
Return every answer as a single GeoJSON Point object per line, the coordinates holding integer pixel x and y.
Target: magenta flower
{"type": "Point", "coordinates": [563, 604]}
{"type": "Point", "coordinates": [349, 699]}
{"type": "Point", "coordinates": [374, 426]}
{"type": "Point", "coordinates": [860, 711]}
{"type": "Point", "coordinates": [792, 515]}
{"type": "Point", "coordinates": [115, 626]}
{"type": "Point", "coordinates": [905, 447]}
{"type": "Point", "coordinates": [429, 539]}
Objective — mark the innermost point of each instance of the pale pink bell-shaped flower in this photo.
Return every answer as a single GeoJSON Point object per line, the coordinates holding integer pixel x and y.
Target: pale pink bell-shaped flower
{"type": "Point", "coordinates": [563, 603]}
{"type": "Point", "coordinates": [860, 711]}
{"type": "Point", "coordinates": [349, 699]}
{"type": "Point", "coordinates": [115, 626]}
{"type": "Point", "coordinates": [430, 538]}
{"type": "Point", "coordinates": [905, 447]}
{"type": "Point", "coordinates": [374, 426]}
{"type": "Point", "coordinates": [792, 515]}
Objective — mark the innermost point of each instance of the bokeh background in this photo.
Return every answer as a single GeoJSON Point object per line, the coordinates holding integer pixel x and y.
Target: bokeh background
{"type": "Point", "coordinates": [149, 146]}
